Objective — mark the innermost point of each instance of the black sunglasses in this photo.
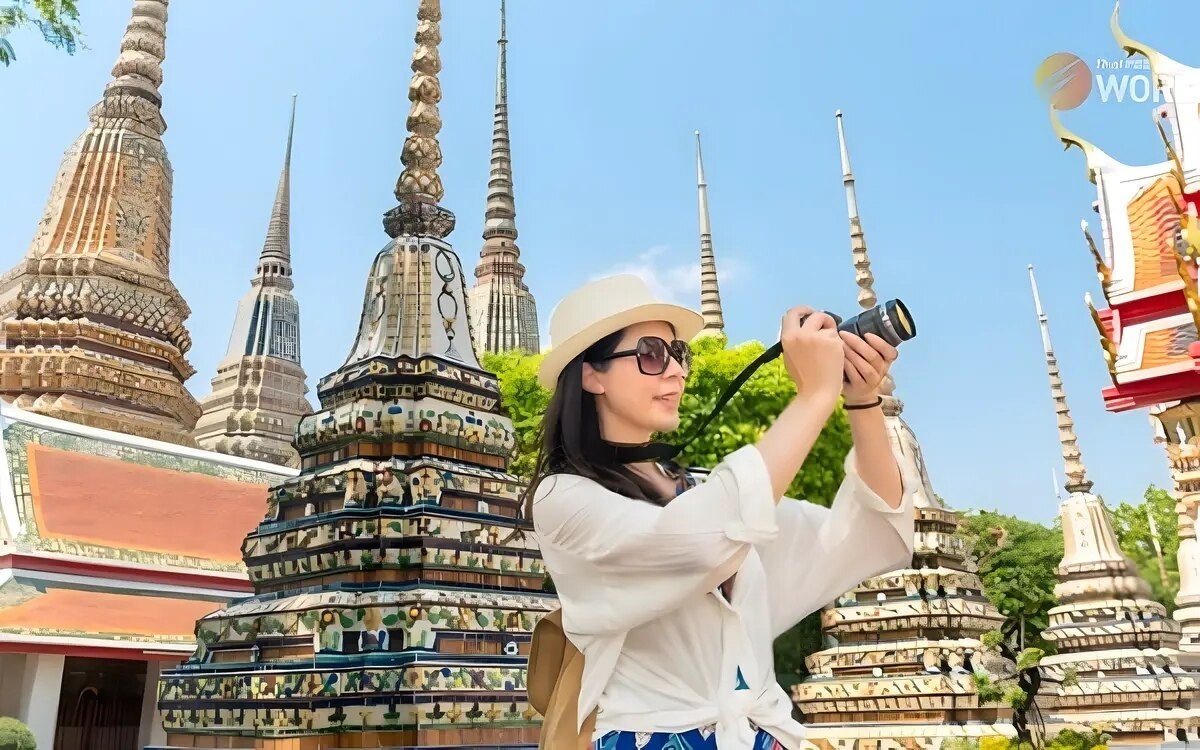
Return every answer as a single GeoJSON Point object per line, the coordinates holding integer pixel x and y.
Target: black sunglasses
{"type": "Point", "coordinates": [654, 354]}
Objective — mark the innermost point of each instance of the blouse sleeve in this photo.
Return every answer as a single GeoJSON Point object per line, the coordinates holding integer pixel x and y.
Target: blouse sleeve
{"type": "Point", "coordinates": [618, 562]}
{"type": "Point", "coordinates": [821, 552]}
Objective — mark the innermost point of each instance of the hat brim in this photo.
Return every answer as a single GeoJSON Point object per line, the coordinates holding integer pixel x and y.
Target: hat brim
{"type": "Point", "coordinates": [686, 322]}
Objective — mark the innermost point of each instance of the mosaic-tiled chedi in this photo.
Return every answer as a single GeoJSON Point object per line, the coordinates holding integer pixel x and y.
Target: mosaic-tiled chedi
{"type": "Point", "coordinates": [1146, 264]}
{"type": "Point", "coordinates": [396, 582]}
{"type": "Point", "coordinates": [1117, 661]}
{"type": "Point", "coordinates": [258, 394]}
{"type": "Point", "coordinates": [503, 312]}
{"type": "Point", "coordinates": [909, 640]}
{"type": "Point", "coordinates": [91, 327]}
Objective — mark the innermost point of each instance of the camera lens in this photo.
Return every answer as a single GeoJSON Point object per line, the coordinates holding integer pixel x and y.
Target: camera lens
{"type": "Point", "coordinates": [890, 321]}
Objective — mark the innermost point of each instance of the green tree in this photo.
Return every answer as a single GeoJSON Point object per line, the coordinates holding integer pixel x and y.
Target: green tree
{"type": "Point", "coordinates": [15, 736]}
{"type": "Point", "coordinates": [1132, 526]}
{"type": "Point", "coordinates": [1017, 562]}
{"type": "Point", "coordinates": [57, 20]}
{"type": "Point", "coordinates": [523, 399]}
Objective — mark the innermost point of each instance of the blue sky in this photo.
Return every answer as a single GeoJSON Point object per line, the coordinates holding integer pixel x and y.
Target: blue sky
{"type": "Point", "coordinates": [961, 182]}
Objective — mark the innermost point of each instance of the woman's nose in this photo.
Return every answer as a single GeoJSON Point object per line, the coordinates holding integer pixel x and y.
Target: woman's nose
{"type": "Point", "coordinates": [674, 369]}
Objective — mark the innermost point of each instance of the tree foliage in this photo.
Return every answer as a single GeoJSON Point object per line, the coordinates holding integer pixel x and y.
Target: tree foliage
{"type": "Point", "coordinates": [56, 20]}
{"type": "Point", "coordinates": [15, 736]}
{"type": "Point", "coordinates": [1017, 561]}
{"type": "Point", "coordinates": [1132, 526]}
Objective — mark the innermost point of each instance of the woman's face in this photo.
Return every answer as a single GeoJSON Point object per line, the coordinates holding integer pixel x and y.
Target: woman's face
{"type": "Point", "coordinates": [631, 404]}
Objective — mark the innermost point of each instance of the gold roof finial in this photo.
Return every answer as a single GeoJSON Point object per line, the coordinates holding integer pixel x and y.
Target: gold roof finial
{"type": "Point", "coordinates": [420, 188]}
{"type": "Point", "coordinates": [1077, 480]}
{"type": "Point", "coordinates": [1070, 138]}
{"type": "Point", "coordinates": [1103, 272]}
{"type": "Point", "coordinates": [1110, 348]}
{"type": "Point", "coordinates": [1132, 46]}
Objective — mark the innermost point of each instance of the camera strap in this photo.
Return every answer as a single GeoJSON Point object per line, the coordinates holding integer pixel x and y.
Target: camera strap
{"type": "Point", "coordinates": [628, 454]}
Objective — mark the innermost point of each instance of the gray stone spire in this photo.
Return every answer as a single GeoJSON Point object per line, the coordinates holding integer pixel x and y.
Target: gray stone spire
{"type": "Point", "coordinates": [276, 256]}
{"type": "Point", "coordinates": [710, 292]}
{"type": "Point", "coordinates": [503, 312]}
{"type": "Point", "coordinates": [1077, 480]}
{"type": "Point", "coordinates": [258, 394]}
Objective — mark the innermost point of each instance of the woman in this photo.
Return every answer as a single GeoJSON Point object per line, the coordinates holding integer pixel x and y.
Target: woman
{"type": "Point", "coordinates": [673, 590]}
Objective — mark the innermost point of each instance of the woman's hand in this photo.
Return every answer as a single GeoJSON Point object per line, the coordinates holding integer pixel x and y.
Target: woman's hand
{"type": "Point", "coordinates": [866, 363]}
{"type": "Point", "coordinates": [812, 352]}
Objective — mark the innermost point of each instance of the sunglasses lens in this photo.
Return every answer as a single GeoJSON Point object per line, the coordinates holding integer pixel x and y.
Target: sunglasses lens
{"type": "Point", "coordinates": [652, 355]}
{"type": "Point", "coordinates": [682, 353]}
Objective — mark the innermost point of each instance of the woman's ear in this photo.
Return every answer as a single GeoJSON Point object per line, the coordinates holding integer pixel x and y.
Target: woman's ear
{"type": "Point", "coordinates": [591, 380]}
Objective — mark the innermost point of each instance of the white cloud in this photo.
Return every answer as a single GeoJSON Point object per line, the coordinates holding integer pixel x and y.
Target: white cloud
{"type": "Point", "coordinates": [678, 282]}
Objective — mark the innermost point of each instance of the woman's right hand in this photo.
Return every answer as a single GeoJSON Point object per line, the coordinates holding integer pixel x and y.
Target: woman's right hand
{"type": "Point", "coordinates": [813, 352]}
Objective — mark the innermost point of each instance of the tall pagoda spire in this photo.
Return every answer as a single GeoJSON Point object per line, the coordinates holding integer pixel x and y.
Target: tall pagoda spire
{"type": "Point", "coordinates": [277, 247]}
{"type": "Point", "coordinates": [1077, 480]}
{"type": "Point", "coordinates": [93, 328]}
{"type": "Point", "coordinates": [258, 394]}
{"type": "Point", "coordinates": [1119, 643]}
{"type": "Point", "coordinates": [395, 576]}
{"type": "Point", "coordinates": [710, 292]}
{"type": "Point", "coordinates": [917, 629]}
{"type": "Point", "coordinates": [502, 309]}
{"type": "Point", "coordinates": [862, 262]}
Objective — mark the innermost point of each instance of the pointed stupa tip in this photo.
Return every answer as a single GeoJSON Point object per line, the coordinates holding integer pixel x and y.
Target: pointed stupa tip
{"type": "Point", "coordinates": [700, 173]}
{"type": "Point", "coordinates": [1077, 480]}
{"type": "Point", "coordinates": [847, 173]}
{"type": "Point", "coordinates": [277, 247]}
{"type": "Point", "coordinates": [419, 188]}
{"type": "Point", "coordinates": [137, 74]}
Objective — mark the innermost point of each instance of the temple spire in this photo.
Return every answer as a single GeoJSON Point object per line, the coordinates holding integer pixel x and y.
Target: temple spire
{"type": "Point", "coordinates": [419, 188]}
{"type": "Point", "coordinates": [1077, 480]}
{"type": "Point", "coordinates": [258, 393]}
{"type": "Point", "coordinates": [503, 310]}
{"type": "Point", "coordinates": [710, 292]}
{"type": "Point", "coordinates": [93, 328]}
{"type": "Point", "coordinates": [858, 243]}
{"type": "Point", "coordinates": [858, 248]}
{"type": "Point", "coordinates": [133, 91]}
{"type": "Point", "coordinates": [276, 256]}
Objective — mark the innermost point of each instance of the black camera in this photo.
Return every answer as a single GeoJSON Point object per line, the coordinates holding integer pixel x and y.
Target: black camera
{"type": "Point", "coordinates": [890, 321]}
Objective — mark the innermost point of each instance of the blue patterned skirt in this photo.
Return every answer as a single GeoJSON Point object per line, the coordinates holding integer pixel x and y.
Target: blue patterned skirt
{"type": "Point", "coordinates": [694, 739]}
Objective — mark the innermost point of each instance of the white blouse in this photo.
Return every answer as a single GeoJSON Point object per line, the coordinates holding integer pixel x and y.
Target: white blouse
{"type": "Point", "coordinates": [639, 589]}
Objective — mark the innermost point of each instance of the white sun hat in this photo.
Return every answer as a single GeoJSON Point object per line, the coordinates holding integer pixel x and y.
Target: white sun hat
{"type": "Point", "coordinates": [605, 306]}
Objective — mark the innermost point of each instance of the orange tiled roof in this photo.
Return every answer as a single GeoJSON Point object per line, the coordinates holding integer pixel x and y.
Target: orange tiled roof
{"type": "Point", "coordinates": [1153, 221]}
{"type": "Point", "coordinates": [121, 504]}
{"type": "Point", "coordinates": [68, 612]}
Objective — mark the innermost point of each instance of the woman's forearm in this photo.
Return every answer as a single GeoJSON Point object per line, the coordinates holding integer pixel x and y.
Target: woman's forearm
{"type": "Point", "coordinates": [786, 443]}
{"type": "Point", "coordinates": [874, 459]}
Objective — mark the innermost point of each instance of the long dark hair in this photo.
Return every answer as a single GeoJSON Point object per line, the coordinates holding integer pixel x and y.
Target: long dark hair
{"type": "Point", "coordinates": [570, 435]}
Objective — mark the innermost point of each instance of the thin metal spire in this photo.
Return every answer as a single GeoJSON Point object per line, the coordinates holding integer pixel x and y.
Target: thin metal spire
{"type": "Point", "coordinates": [1077, 480]}
{"type": "Point", "coordinates": [710, 291]}
{"type": "Point", "coordinates": [277, 248]}
{"type": "Point", "coordinates": [858, 242]}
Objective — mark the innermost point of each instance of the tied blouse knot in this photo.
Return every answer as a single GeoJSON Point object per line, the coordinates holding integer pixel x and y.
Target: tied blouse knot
{"type": "Point", "coordinates": [641, 597]}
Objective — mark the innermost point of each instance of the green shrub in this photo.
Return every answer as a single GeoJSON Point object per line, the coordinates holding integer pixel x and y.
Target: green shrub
{"type": "Point", "coordinates": [15, 736]}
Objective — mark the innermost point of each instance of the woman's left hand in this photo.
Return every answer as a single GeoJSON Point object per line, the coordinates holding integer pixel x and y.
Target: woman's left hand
{"type": "Point", "coordinates": [866, 364]}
